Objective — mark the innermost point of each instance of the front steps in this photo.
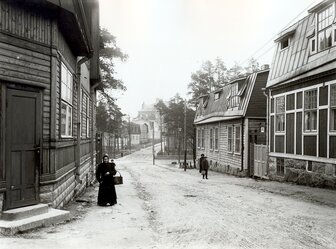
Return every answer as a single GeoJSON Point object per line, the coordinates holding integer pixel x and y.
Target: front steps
{"type": "Point", "coordinates": [25, 218]}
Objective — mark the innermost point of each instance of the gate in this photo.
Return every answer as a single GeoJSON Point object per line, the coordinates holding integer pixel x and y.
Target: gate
{"type": "Point", "coordinates": [260, 157]}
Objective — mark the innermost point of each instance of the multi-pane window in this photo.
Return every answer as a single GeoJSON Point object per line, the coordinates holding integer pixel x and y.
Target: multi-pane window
{"type": "Point", "coordinates": [234, 98]}
{"type": "Point", "coordinates": [199, 138]}
{"type": "Point", "coordinates": [230, 136]}
{"type": "Point", "coordinates": [237, 139]}
{"type": "Point", "coordinates": [324, 27]}
{"type": "Point", "coordinates": [66, 102]}
{"type": "Point", "coordinates": [310, 107]}
{"type": "Point", "coordinates": [280, 114]}
{"type": "Point", "coordinates": [216, 138]}
{"type": "Point", "coordinates": [211, 139]}
{"type": "Point", "coordinates": [202, 140]}
{"type": "Point", "coordinates": [85, 115]}
{"type": "Point", "coordinates": [333, 107]}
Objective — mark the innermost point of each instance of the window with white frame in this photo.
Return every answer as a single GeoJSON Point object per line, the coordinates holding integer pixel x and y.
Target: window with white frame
{"type": "Point", "coordinates": [85, 116]}
{"type": "Point", "coordinates": [211, 139]}
{"type": "Point", "coordinates": [66, 101]}
{"type": "Point", "coordinates": [199, 138]}
{"type": "Point", "coordinates": [202, 140]}
{"type": "Point", "coordinates": [217, 95]}
{"type": "Point", "coordinates": [280, 114]}
{"type": "Point", "coordinates": [216, 138]}
{"type": "Point", "coordinates": [310, 110]}
{"type": "Point", "coordinates": [230, 138]}
{"type": "Point", "coordinates": [324, 27]}
{"type": "Point", "coordinates": [237, 139]}
{"type": "Point", "coordinates": [333, 107]}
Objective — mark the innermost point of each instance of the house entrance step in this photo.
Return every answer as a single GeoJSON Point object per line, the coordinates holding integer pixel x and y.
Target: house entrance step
{"type": "Point", "coordinates": [24, 212]}
{"type": "Point", "coordinates": [51, 217]}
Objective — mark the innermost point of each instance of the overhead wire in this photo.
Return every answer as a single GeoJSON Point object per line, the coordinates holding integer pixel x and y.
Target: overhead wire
{"type": "Point", "coordinates": [274, 36]}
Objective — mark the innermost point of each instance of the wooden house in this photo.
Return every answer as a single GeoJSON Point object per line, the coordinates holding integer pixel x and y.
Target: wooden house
{"type": "Point", "coordinates": [49, 68]}
{"type": "Point", "coordinates": [302, 100]}
{"type": "Point", "coordinates": [229, 120]}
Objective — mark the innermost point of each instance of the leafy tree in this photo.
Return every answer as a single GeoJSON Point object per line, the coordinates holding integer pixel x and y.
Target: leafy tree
{"type": "Point", "coordinates": [235, 72]}
{"type": "Point", "coordinates": [252, 66]}
{"type": "Point", "coordinates": [210, 77]}
{"type": "Point", "coordinates": [107, 106]}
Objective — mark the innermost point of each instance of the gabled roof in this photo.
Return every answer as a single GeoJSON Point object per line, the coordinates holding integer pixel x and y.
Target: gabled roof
{"type": "Point", "coordinates": [218, 110]}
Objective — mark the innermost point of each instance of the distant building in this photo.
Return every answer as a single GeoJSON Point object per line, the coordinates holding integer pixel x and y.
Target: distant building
{"type": "Point", "coordinates": [302, 100]}
{"type": "Point", "coordinates": [148, 118]}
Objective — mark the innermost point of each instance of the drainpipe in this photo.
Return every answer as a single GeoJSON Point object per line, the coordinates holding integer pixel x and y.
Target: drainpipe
{"type": "Point", "coordinates": [266, 127]}
{"type": "Point", "coordinates": [79, 102]}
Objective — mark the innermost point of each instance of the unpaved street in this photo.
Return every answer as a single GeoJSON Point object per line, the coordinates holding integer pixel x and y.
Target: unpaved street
{"type": "Point", "coordinates": [161, 206]}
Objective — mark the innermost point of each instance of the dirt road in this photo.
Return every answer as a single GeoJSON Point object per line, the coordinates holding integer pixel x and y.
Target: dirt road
{"type": "Point", "coordinates": [161, 206]}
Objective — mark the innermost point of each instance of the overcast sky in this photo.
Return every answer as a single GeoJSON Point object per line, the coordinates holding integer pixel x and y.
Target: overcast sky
{"type": "Point", "coordinates": [167, 40]}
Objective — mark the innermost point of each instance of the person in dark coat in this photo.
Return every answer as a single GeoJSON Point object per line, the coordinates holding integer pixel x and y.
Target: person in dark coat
{"type": "Point", "coordinates": [200, 162]}
{"type": "Point", "coordinates": [205, 167]}
{"type": "Point", "coordinates": [104, 174]}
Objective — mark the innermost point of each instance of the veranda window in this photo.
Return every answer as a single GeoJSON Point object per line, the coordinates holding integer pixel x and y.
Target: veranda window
{"type": "Point", "coordinates": [333, 107]}
{"type": "Point", "coordinates": [324, 27]}
{"type": "Point", "coordinates": [280, 114]}
{"type": "Point", "coordinates": [66, 101]}
{"type": "Point", "coordinates": [310, 114]}
{"type": "Point", "coordinates": [202, 141]}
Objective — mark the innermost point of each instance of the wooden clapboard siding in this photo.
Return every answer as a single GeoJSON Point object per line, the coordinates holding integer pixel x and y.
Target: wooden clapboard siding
{"type": "Point", "coordinates": [20, 64]}
{"type": "Point", "coordinates": [66, 52]}
{"type": "Point", "coordinates": [24, 22]}
{"type": "Point", "coordinates": [65, 156]}
{"type": "Point", "coordinates": [85, 148]}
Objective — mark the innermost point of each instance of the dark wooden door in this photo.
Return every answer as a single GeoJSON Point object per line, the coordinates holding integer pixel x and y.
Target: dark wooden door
{"type": "Point", "coordinates": [23, 135]}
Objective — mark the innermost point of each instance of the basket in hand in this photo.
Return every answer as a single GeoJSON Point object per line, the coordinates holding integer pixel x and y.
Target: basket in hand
{"type": "Point", "coordinates": [118, 179]}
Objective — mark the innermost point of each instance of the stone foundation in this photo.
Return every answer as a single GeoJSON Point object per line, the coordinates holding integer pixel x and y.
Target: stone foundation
{"type": "Point", "coordinates": [71, 185]}
{"type": "Point", "coordinates": [321, 175]}
{"type": "Point", "coordinates": [227, 169]}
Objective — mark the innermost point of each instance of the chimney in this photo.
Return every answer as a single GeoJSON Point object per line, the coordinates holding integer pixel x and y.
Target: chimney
{"type": "Point", "coordinates": [265, 67]}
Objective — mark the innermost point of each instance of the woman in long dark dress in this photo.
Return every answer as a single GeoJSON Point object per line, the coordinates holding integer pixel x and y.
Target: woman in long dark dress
{"type": "Point", "coordinates": [104, 175]}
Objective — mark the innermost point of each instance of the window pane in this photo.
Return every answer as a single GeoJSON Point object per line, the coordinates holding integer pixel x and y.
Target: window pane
{"type": "Point", "coordinates": [333, 119]}
{"type": "Point", "coordinates": [63, 118]}
{"type": "Point", "coordinates": [321, 40]}
{"type": "Point", "coordinates": [328, 37]}
{"type": "Point", "coordinates": [69, 124]}
{"type": "Point", "coordinates": [280, 104]}
{"type": "Point", "coordinates": [333, 95]}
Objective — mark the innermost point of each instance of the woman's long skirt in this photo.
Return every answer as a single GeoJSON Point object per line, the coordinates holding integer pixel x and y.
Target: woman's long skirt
{"type": "Point", "coordinates": [107, 194]}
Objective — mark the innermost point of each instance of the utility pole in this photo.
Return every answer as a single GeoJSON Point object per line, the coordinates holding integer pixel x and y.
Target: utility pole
{"type": "Point", "coordinates": [152, 125]}
{"type": "Point", "coordinates": [129, 133]}
{"type": "Point", "coordinates": [185, 135]}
